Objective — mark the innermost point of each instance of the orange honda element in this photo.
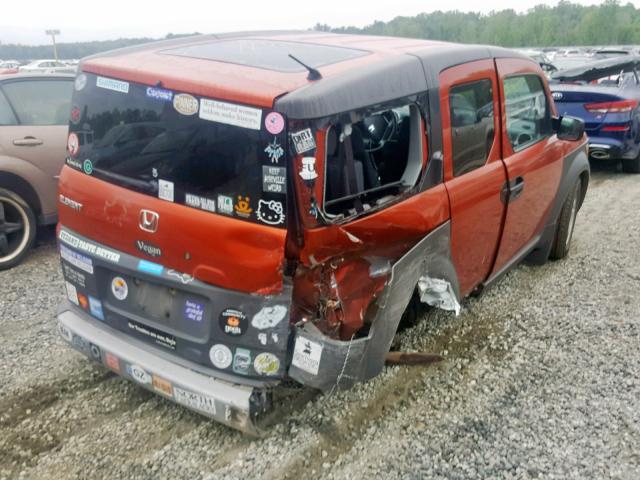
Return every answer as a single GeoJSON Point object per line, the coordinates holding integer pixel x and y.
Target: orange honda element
{"type": "Point", "coordinates": [240, 210]}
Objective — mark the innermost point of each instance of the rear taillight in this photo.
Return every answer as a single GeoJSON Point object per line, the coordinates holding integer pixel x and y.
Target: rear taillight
{"type": "Point", "coordinates": [621, 106]}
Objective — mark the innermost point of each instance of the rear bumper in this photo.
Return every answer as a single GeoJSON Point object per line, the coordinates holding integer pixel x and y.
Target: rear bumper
{"type": "Point", "coordinates": [234, 405]}
{"type": "Point", "coordinates": [602, 148]}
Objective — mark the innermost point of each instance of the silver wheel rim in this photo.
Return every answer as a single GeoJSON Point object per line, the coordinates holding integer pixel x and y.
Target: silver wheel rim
{"type": "Point", "coordinates": [572, 219]}
{"type": "Point", "coordinates": [8, 229]}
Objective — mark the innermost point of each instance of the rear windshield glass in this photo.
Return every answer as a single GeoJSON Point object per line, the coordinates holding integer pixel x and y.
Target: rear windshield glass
{"type": "Point", "coordinates": [212, 155]}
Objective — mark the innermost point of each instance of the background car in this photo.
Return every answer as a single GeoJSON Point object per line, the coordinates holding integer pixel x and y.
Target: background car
{"type": "Point", "coordinates": [34, 118]}
{"type": "Point", "coordinates": [605, 94]}
{"type": "Point", "coordinates": [47, 66]}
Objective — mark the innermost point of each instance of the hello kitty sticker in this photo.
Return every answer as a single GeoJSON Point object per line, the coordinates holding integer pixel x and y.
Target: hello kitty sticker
{"type": "Point", "coordinates": [270, 212]}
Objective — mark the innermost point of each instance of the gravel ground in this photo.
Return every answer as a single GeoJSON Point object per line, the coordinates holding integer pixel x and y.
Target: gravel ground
{"type": "Point", "coordinates": [541, 381]}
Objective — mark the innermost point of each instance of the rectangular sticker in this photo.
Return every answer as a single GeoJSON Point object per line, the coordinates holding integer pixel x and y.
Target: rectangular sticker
{"type": "Point", "coordinates": [303, 141]}
{"type": "Point", "coordinates": [76, 259]}
{"type": "Point", "coordinates": [161, 338]}
{"type": "Point", "coordinates": [306, 355]}
{"type": "Point", "coordinates": [165, 190]}
{"type": "Point", "coordinates": [88, 247]}
{"type": "Point", "coordinates": [193, 311]}
{"type": "Point", "coordinates": [72, 293]}
{"type": "Point", "coordinates": [274, 179]}
{"type": "Point", "coordinates": [161, 385]}
{"type": "Point", "coordinates": [230, 114]}
{"type": "Point", "coordinates": [150, 267]}
{"type": "Point", "coordinates": [202, 203]}
{"type": "Point", "coordinates": [112, 361]}
{"type": "Point", "coordinates": [112, 84]}
{"type": "Point", "coordinates": [95, 307]}
{"type": "Point", "coordinates": [159, 94]}
{"type": "Point", "coordinates": [194, 400]}
{"type": "Point", "coordinates": [74, 276]}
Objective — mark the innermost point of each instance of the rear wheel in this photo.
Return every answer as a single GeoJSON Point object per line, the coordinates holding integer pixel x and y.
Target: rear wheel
{"type": "Point", "coordinates": [631, 166]}
{"type": "Point", "coordinates": [17, 228]}
{"type": "Point", "coordinates": [566, 222]}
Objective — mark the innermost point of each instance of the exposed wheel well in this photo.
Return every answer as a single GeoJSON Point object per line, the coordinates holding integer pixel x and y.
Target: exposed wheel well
{"type": "Point", "coordinates": [584, 179]}
{"type": "Point", "coordinates": [23, 188]}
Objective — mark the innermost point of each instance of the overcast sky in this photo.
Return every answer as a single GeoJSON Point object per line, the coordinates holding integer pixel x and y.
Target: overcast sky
{"type": "Point", "coordinates": [24, 21]}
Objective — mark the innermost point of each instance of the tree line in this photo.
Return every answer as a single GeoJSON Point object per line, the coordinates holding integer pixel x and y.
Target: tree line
{"type": "Point", "coordinates": [565, 24]}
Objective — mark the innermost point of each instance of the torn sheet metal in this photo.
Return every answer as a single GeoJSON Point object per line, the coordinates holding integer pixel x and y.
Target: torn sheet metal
{"type": "Point", "coordinates": [438, 293]}
{"type": "Point", "coordinates": [328, 363]}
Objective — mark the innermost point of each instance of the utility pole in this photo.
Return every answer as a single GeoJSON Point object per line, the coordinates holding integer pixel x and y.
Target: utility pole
{"type": "Point", "coordinates": [53, 34]}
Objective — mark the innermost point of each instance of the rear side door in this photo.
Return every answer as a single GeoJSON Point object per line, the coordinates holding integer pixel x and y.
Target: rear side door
{"type": "Point", "coordinates": [474, 173]}
{"type": "Point", "coordinates": [42, 108]}
{"type": "Point", "coordinates": [532, 156]}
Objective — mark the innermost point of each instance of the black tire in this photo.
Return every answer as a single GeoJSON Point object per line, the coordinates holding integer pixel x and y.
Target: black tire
{"type": "Point", "coordinates": [566, 223]}
{"type": "Point", "coordinates": [631, 166]}
{"type": "Point", "coordinates": [17, 229]}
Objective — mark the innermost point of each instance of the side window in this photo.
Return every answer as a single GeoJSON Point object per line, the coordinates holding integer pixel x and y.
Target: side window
{"type": "Point", "coordinates": [472, 125]}
{"type": "Point", "coordinates": [41, 102]}
{"type": "Point", "coordinates": [6, 114]}
{"type": "Point", "coordinates": [386, 159]}
{"type": "Point", "coordinates": [527, 111]}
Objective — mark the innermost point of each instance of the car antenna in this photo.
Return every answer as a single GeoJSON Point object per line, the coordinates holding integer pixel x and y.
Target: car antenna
{"type": "Point", "coordinates": [313, 73]}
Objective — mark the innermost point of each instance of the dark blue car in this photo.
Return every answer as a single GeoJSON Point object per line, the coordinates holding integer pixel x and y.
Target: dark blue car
{"type": "Point", "coordinates": [606, 95]}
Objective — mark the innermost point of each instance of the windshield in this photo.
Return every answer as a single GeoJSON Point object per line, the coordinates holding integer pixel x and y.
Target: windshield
{"type": "Point", "coordinates": [212, 155]}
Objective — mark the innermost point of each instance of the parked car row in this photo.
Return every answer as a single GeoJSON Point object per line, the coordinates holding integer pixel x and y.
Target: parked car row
{"type": "Point", "coordinates": [38, 66]}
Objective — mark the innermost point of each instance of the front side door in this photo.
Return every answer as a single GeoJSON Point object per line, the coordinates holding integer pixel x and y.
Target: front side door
{"type": "Point", "coordinates": [532, 156]}
{"type": "Point", "coordinates": [474, 173]}
{"type": "Point", "coordinates": [41, 107]}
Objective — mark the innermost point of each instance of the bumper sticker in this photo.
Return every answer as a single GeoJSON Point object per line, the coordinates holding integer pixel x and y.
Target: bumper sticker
{"type": "Point", "coordinates": [139, 374]}
{"type": "Point", "coordinates": [112, 84]}
{"type": "Point", "coordinates": [233, 322]}
{"type": "Point", "coordinates": [95, 307]}
{"type": "Point", "coordinates": [193, 311]}
{"type": "Point", "coordinates": [266, 364]}
{"type": "Point", "coordinates": [164, 339]}
{"type": "Point", "coordinates": [89, 247]}
{"type": "Point", "coordinates": [220, 356]}
{"type": "Point", "coordinates": [119, 288]}
{"type": "Point", "coordinates": [150, 267]}
{"type": "Point", "coordinates": [307, 355]}
{"type": "Point", "coordinates": [112, 362]}
{"type": "Point", "coordinates": [231, 114]}
{"type": "Point", "coordinates": [161, 385]}
{"type": "Point", "coordinates": [76, 259]}
{"type": "Point", "coordinates": [269, 317]}
{"type": "Point", "coordinates": [72, 293]}
{"type": "Point", "coordinates": [242, 361]}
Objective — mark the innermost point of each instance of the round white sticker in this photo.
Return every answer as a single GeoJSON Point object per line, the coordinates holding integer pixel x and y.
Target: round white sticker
{"type": "Point", "coordinates": [185, 104]}
{"type": "Point", "coordinates": [81, 81]}
{"type": "Point", "coordinates": [266, 364]}
{"type": "Point", "coordinates": [119, 288]}
{"type": "Point", "coordinates": [220, 355]}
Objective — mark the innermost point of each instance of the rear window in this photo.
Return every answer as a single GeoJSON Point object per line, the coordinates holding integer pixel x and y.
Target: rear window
{"type": "Point", "coordinates": [208, 154]}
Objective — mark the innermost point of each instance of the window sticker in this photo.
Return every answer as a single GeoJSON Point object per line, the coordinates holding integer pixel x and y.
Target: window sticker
{"type": "Point", "coordinates": [231, 114]}
{"type": "Point", "coordinates": [225, 204]}
{"type": "Point", "coordinates": [274, 179]}
{"type": "Point", "coordinates": [112, 84]}
{"type": "Point", "coordinates": [185, 104]}
{"type": "Point", "coordinates": [202, 203]}
{"type": "Point", "coordinates": [303, 141]}
{"type": "Point", "coordinates": [165, 190]}
{"type": "Point", "coordinates": [274, 123]}
{"type": "Point", "coordinates": [274, 150]}
{"type": "Point", "coordinates": [159, 94]}
{"type": "Point", "coordinates": [270, 212]}
{"type": "Point", "coordinates": [242, 207]}
{"type": "Point", "coordinates": [308, 170]}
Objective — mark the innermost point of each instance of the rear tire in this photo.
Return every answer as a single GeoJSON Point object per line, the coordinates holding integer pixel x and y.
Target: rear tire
{"type": "Point", "coordinates": [566, 223]}
{"type": "Point", "coordinates": [631, 166]}
{"type": "Point", "coordinates": [17, 229]}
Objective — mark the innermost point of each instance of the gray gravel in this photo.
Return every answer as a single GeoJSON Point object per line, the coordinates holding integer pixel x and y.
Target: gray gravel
{"type": "Point", "coordinates": [541, 381]}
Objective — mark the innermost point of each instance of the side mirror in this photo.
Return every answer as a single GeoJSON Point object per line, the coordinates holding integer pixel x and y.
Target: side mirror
{"type": "Point", "coordinates": [568, 128]}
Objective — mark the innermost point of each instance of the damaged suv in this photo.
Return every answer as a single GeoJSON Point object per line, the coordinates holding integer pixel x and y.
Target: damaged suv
{"type": "Point", "coordinates": [245, 209]}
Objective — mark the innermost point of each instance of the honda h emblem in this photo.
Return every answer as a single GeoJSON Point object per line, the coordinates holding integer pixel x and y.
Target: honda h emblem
{"type": "Point", "coordinates": [149, 221]}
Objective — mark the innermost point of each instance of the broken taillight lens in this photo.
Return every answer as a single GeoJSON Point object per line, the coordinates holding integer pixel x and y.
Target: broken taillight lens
{"type": "Point", "coordinates": [621, 106]}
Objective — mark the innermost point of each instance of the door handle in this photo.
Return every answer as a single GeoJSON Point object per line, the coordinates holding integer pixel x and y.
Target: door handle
{"type": "Point", "coordinates": [28, 142]}
{"type": "Point", "coordinates": [516, 187]}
